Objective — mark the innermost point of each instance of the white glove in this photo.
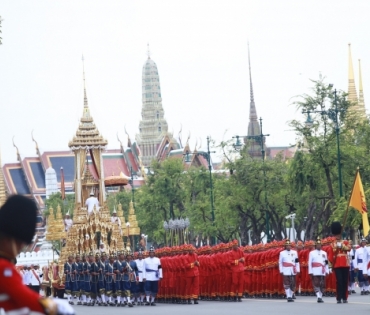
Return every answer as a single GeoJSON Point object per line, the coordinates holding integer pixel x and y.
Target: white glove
{"type": "Point", "coordinates": [64, 308]}
{"type": "Point", "coordinates": [330, 270]}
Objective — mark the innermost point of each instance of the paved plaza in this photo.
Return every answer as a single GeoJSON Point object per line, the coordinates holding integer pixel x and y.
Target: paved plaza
{"type": "Point", "coordinates": [303, 306]}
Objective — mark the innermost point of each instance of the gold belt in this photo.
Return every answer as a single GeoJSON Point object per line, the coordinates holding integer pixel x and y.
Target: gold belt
{"type": "Point", "coordinates": [341, 255]}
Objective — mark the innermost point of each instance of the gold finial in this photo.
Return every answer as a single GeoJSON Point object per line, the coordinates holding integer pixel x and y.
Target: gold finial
{"type": "Point", "coordinates": [18, 155]}
{"type": "Point", "coordinates": [37, 146]}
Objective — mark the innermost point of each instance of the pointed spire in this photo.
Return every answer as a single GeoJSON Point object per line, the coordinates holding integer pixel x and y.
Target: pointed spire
{"type": "Point", "coordinates": [352, 94]}
{"type": "Point", "coordinates": [85, 95]}
{"type": "Point", "coordinates": [361, 100]}
{"type": "Point", "coordinates": [253, 127]}
{"type": "Point", "coordinates": [2, 185]}
{"type": "Point", "coordinates": [148, 51]}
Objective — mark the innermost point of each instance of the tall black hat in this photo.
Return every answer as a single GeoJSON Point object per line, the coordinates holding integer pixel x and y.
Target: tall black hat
{"type": "Point", "coordinates": [336, 228]}
{"type": "Point", "coordinates": [18, 218]}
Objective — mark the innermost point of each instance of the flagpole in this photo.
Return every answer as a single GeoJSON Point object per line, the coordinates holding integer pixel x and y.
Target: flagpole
{"type": "Point", "coordinates": [350, 197]}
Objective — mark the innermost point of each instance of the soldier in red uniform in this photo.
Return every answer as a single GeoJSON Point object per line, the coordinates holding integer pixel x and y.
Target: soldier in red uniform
{"type": "Point", "coordinates": [17, 228]}
{"type": "Point", "coordinates": [192, 274]}
{"type": "Point", "coordinates": [338, 260]}
{"type": "Point", "coordinates": [236, 263]}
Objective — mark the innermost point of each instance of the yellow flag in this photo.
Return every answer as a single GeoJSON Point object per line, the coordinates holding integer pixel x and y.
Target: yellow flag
{"type": "Point", "coordinates": [358, 202]}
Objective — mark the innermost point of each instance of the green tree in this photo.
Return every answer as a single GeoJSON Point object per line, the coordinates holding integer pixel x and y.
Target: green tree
{"type": "Point", "coordinates": [56, 199]}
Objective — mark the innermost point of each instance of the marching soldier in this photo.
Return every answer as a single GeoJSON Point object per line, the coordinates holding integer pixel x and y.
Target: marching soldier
{"type": "Point", "coordinates": [76, 280]}
{"type": "Point", "coordinates": [110, 280]}
{"type": "Point", "coordinates": [236, 264]}
{"type": "Point", "coordinates": [337, 254]}
{"type": "Point", "coordinates": [152, 274]}
{"type": "Point", "coordinates": [289, 268]}
{"type": "Point", "coordinates": [358, 264]}
{"type": "Point", "coordinates": [117, 266]}
{"type": "Point", "coordinates": [101, 279]}
{"type": "Point", "coordinates": [87, 279]}
{"type": "Point", "coordinates": [69, 278]}
{"type": "Point", "coordinates": [133, 276]}
{"type": "Point", "coordinates": [317, 269]}
{"type": "Point", "coordinates": [140, 270]}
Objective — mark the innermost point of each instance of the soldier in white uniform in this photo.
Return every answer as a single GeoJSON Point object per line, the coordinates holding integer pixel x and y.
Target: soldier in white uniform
{"type": "Point", "coordinates": [318, 268]}
{"type": "Point", "coordinates": [352, 273]}
{"type": "Point", "coordinates": [91, 202]}
{"type": "Point", "coordinates": [151, 275]}
{"type": "Point", "coordinates": [68, 222]}
{"type": "Point", "coordinates": [359, 264]}
{"type": "Point", "coordinates": [140, 267]}
{"type": "Point", "coordinates": [289, 268]}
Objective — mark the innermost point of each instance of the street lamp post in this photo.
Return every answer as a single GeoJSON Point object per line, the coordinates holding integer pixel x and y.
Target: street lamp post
{"type": "Point", "coordinates": [259, 138]}
{"type": "Point", "coordinates": [207, 155]}
{"type": "Point", "coordinates": [332, 113]}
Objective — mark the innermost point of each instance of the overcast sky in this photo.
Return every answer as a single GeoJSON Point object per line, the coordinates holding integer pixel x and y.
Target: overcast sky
{"type": "Point", "coordinates": [200, 48]}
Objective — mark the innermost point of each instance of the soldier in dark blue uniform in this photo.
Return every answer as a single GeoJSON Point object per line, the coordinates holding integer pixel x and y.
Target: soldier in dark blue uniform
{"type": "Point", "coordinates": [110, 277]}
{"type": "Point", "coordinates": [87, 278]}
{"type": "Point", "coordinates": [125, 284]}
{"type": "Point", "coordinates": [101, 279]}
{"type": "Point", "coordinates": [81, 280]}
{"type": "Point", "coordinates": [133, 275]}
{"type": "Point", "coordinates": [69, 279]}
{"type": "Point", "coordinates": [76, 280]}
{"type": "Point", "coordinates": [95, 278]}
{"type": "Point", "coordinates": [117, 266]}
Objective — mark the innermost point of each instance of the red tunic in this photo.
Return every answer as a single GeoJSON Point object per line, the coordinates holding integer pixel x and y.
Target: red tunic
{"type": "Point", "coordinates": [14, 294]}
{"type": "Point", "coordinates": [338, 256]}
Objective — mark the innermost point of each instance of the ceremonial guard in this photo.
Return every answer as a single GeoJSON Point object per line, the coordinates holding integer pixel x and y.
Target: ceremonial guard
{"type": "Point", "coordinates": [125, 285]}
{"type": "Point", "coordinates": [338, 260]}
{"type": "Point", "coordinates": [192, 275]}
{"type": "Point", "coordinates": [289, 268]}
{"type": "Point", "coordinates": [17, 229]}
{"type": "Point", "coordinates": [117, 267]}
{"type": "Point", "coordinates": [75, 280]}
{"type": "Point", "coordinates": [140, 286]}
{"type": "Point", "coordinates": [100, 261]}
{"type": "Point", "coordinates": [352, 272]}
{"type": "Point", "coordinates": [318, 268]}
{"type": "Point", "coordinates": [236, 264]}
{"type": "Point", "coordinates": [359, 264]}
{"type": "Point", "coordinates": [94, 272]}
{"type": "Point", "coordinates": [125, 281]}
{"type": "Point", "coordinates": [133, 276]}
{"type": "Point", "coordinates": [69, 276]}
{"type": "Point", "coordinates": [87, 279]}
{"type": "Point", "coordinates": [152, 274]}
{"type": "Point", "coordinates": [79, 279]}
{"type": "Point", "coordinates": [110, 278]}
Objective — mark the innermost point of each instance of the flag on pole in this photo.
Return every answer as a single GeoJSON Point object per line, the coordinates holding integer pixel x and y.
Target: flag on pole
{"type": "Point", "coordinates": [62, 187]}
{"type": "Point", "coordinates": [358, 201]}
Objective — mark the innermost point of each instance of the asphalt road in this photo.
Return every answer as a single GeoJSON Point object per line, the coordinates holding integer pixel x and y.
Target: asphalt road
{"type": "Point", "coordinates": [303, 306]}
